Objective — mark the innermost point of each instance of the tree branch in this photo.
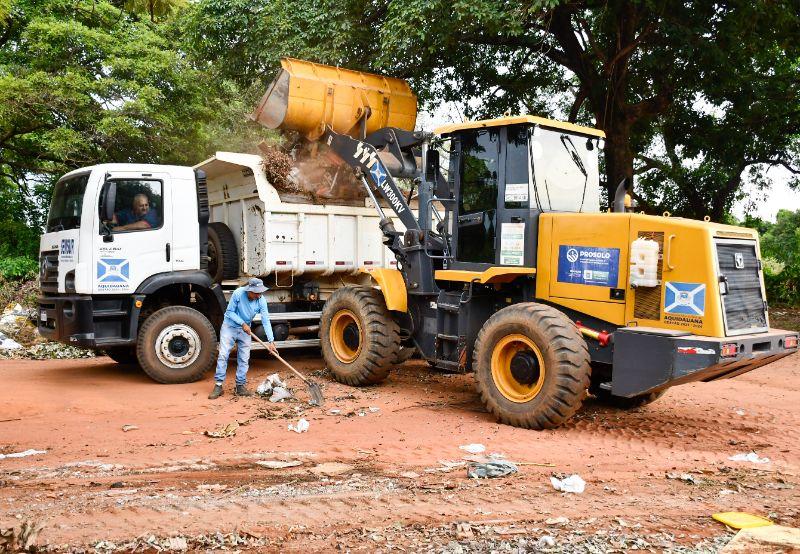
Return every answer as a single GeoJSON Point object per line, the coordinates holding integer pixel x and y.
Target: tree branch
{"type": "Point", "coordinates": [580, 98]}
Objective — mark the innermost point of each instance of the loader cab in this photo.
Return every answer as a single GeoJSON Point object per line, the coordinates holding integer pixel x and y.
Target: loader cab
{"type": "Point", "coordinates": [504, 173]}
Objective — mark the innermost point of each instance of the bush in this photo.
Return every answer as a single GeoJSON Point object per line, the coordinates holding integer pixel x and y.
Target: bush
{"type": "Point", "coordinates": [18, 268]}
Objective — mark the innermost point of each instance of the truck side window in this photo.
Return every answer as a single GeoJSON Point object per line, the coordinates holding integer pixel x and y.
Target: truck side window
{"type": "Point", "coordinates": [138, 205]}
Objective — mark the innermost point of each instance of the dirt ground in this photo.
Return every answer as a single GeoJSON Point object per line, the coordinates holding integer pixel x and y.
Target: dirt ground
{"type": "Point", "coordinates": [385, 472]}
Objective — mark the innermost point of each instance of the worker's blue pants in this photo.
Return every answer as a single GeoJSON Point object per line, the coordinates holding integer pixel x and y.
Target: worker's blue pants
{"type": "Point", "coordinates": [228, 336]}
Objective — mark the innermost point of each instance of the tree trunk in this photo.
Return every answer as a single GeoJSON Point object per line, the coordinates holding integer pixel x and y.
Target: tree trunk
{"type": "Point", "coordinates": [618, 157]}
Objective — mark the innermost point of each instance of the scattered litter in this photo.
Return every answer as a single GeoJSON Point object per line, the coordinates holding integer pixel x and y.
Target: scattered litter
{"type": "Point", "coordinates": [24, 454]}
{"type": "Point", "coordinates": [335, 411]}
{"type": "Point", "coordinates": [726, 492]}
{"type": "Point", "coordinates": [373, 409]}
{"type": "Point", "coordinates": [464, 531]}
{"type": "Point", "coordinates": [573, 483]}
{"type": "Point", "coordinates": [301, 427]}
{"type": "Point", "coordinates": [473, 448]}
{"type": "Point", "coordinates": [331, 468]}
{"type": "Point", "coordinates": [545, 541]}
{"type": "Point", "coordinates": [491, 469]}
{"type": "Point", "coordinates": [409, 475]}
{"type": "Point", "coordinates": [687, 477]}
{"type": "Point", "coordinates": [280, 393]}
{"type": "Point", "coordinates": [749, 457]}
{"type": "Point", "coordinates": [129, 427]}
{"type": "Point", "coordinates": [7, 343]}
{"type": "Point", "coordinates": [271, 382]}
{"type": "Point", "coordinates": [177, 543]}
{"type": "Point", "coordinates": [557, 520]}
{"type": "Point", "coordinates": [739, 411]}
{"type": "Point", "coordinates": [228, 431]}
{"type": "Point", "coordinates": [772, 538]}
{"type": "Point", "coordinates": [741, 520]}
{"type": "Point", "coordinates": [279, 464]}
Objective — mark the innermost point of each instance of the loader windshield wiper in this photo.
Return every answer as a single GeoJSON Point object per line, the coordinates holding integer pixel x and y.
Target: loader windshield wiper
{"type": "Point", "coordinates": [566, 140]}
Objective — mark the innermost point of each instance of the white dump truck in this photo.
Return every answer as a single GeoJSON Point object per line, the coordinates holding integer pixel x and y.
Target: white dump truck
{"type": "Point", "coordinates": [136, 259]}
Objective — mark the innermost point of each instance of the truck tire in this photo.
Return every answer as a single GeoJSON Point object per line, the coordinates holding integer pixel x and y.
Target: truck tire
{"type": "Point", "coordinates": [176, 345]}
{"type": "Point", "coordinates": [223, 256]}
{"type": "Point", "coordinates": [124, 355]}
{"type": "Point", "coordinates": [360, 339]}
{"type": "Point", "coordinates": [622, 403]}
{"type": "Point", "coordinates": [531, 366]}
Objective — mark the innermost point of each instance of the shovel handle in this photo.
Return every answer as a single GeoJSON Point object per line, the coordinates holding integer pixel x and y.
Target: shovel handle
{"type": "Point", "coordinates": [284, 362]}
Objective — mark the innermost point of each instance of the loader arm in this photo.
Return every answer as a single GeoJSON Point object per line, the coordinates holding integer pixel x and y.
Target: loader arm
{"type": "Point", "coordinates": [365, 159]}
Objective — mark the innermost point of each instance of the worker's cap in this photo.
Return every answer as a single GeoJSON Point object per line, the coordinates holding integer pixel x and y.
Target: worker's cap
{"type": "Point", "coordinates": [255, 285]}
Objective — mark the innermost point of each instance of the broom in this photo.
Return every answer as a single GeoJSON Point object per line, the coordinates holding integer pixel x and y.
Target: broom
{"type": "Point", "coordinates": [313, 388]}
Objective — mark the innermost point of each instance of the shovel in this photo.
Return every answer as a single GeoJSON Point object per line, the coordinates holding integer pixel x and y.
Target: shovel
{"type": "Point", "coordinates": [313, 388]}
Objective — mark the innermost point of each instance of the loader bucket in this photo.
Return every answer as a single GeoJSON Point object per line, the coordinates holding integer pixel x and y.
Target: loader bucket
{"type": "Point", "coordinates": [307, 96]}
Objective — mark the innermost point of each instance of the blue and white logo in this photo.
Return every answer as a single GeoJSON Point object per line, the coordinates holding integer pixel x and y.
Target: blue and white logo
{"type": "Point", "coordinates": [685, 298]}
{"type": "Point", "coordinates": [378, 174]}
{"type": "Point", "coordinates": [572, 255]}
{"type": "Point", "coordinates": [113, 270]}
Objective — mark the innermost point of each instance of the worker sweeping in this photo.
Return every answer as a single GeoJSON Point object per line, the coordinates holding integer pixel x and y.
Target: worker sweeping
{"type": "Point", "coordinates": [245, 303]}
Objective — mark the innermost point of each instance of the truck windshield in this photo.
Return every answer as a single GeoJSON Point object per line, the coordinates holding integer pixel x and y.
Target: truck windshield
{"type": "Point", "coordinates": [67, 203]}
{"type": "Point", "coordinates": [565, 171]}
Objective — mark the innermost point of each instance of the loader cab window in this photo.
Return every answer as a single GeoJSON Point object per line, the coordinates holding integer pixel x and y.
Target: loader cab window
{"type": "Point", "coordinates": [137, 205]}
{"type": "Point", "coordinates": [477, 204]}
{"type": "Point", "coordinates": [516, 194]}
{"type": "Point", "coordinates": [565, 171]}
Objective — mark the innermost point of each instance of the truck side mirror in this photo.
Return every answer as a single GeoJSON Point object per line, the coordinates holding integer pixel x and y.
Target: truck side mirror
{"type": "Point", "coordinates": [108, 198]}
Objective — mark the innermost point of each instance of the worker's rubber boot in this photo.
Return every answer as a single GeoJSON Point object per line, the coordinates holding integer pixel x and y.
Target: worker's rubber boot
{"type": "Point", "coordinates": [216, 393]}
{"type": "Point", "coordinates": [241, 390]}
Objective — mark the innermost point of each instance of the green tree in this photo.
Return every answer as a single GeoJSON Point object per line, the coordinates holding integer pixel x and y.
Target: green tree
{"type": "Point", "coordinates": [645, 72]}
{"type": "Point", "coordinates": [84, 82]}
{"type": "Point", "coordinates": [780, 245]}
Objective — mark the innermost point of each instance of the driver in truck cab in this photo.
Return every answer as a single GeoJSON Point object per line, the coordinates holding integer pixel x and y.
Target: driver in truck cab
{"type": "Point", "coordinates": [138, 216]}
{"type": "Point", "coordinates": [245, 303]}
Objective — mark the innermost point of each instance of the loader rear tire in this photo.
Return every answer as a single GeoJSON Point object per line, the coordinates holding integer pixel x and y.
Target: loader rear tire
{"type": "Point", "coordinates": [531, 366]}
{"type": "Point", "coordinates": [360, 338]}
{"type": "Point", "coordinates": [176, 345]}
{"type": "Point", "coordinates": [223, 256]}
{"type": "Point", "coordinates": [622, 403]}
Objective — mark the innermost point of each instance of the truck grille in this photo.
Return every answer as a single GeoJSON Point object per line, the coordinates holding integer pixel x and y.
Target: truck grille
{"type": "Point", "coordinates": [744, 306]}
{"type": "Point", "coordinates": [48, 271]}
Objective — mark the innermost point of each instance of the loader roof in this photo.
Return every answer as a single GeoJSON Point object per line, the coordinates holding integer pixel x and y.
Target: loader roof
{"type": "Point", "coordinates": [518, 119]}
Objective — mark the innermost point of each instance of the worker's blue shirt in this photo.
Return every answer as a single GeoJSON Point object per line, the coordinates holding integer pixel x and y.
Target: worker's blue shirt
{"type": "Point", "coordinates": [126, 217]}
{"type": "Point", "coordinates": [242, 310]}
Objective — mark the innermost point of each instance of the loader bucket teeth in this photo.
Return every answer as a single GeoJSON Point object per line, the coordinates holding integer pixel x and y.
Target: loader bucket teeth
{"type": "Point", "coordinates": [307, 96]}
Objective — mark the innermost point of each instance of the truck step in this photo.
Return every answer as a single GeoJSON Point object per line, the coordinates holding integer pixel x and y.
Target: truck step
{"type": "Point", "coordinates": [290, 316]}
{"type": "Point", "coordinates": [448, 307]}
{"type": "Point", "coordinates": [297, 343]}
{"type": "Point", "coordinates": [442, 336]}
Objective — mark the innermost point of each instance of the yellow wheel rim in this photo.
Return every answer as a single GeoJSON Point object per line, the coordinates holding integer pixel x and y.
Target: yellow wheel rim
{"type": "Point", "coordinates": [505, 379]}
{"type": "Point", "coordinates": [346, 336]}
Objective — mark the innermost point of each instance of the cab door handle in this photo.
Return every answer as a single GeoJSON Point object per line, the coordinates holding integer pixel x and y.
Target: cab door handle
{"type": "Point", "coordinates": [168, 252]}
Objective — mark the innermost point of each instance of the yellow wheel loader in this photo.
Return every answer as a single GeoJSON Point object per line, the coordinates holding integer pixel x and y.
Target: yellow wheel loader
{"type": "Point", "coordinates": [511, 271]}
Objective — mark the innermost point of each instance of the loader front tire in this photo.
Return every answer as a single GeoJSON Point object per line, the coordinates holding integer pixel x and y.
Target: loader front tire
{"type": "Point", "coordinates": [531, 366]}
{"type": "Point", "coordinates": [176, 345]}
{"type": "Point", "coordinates": [360, 338]}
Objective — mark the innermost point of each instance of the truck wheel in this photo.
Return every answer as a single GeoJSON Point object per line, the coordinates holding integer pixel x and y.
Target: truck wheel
{"type": "Point", "coordinates": [531, 366]}
{"type": "Point", "coordinates": [623, 403]}
{"type": "Point", "coordinates": [360, 339]}
{"type": "Point", "coordinates": [223, 256]}
{"type": "Point", "coordinates": [176, 345]}
{"type": "Point", "coordinates": [123, 355]}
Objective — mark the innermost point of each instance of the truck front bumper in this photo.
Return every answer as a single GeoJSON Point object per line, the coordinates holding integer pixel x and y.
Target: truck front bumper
{"type": "Point", "coordinates": [80, 320]}
{"type": "Point", "coordinates": [648, 359]}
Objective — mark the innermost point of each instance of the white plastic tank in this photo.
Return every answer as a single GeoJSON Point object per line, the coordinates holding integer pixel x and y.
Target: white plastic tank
{"type": "Point", "coordinates": [644, 263]}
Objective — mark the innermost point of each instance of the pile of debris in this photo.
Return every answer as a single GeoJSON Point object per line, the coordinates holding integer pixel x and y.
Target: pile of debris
{"type": "Point", "coordinates": [20, 338]}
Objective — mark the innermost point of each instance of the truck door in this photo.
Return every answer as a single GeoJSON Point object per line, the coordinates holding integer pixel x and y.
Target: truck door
{"type": "Point", "coordinates": [135, 241]}
{"type": "Point", "coordinates": [476, 212]}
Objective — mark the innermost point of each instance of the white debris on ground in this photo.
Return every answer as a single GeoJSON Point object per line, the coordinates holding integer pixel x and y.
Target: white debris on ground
{"type": "Point", "coordinates": [473, 448]}
{"type": "Point", "coordinates": [26, 453]}
{"type": "Point", "coordinates": [749, 457]}
{"type": "Point", "coordinates": [274, 388]}
{"type": "Point", "coordinates": [573, 484]}
{"type": "Point", "coordinates": [301, 427]}
{"type": "Point", "coordinates": [20, 338]}
{"type": "Point", "coordinates": [7, 343]}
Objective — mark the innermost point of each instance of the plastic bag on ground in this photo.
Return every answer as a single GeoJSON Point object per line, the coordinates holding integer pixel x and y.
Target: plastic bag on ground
{"type": "Point", "coordinates": [491, 469]}
{"type": "Point", "coordinates": [301, 427]}
{"type": "Point", "coordinates": [268, 384]}
{"type": "Point", "coordinates": [749, 457]}
{"type": "Point", "coordinates": [573, 483]}
{"type": "Point", "coordinates": [473, 448]}
{"type": "Point", "coordinates": [30, 452]}
{"type": "Point", "coordinates": [7, 343]}
{"type": "Point", "coordinates": [279, 393]}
